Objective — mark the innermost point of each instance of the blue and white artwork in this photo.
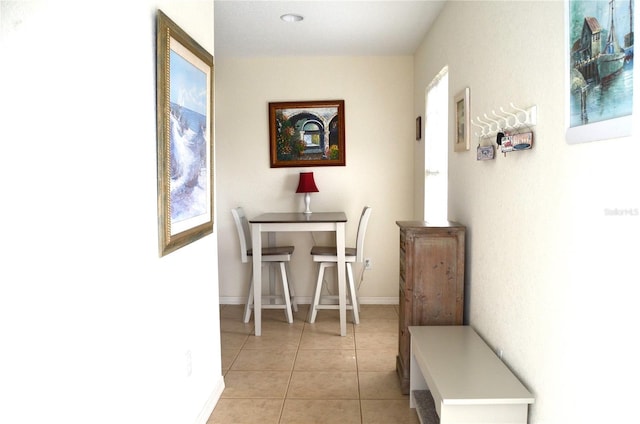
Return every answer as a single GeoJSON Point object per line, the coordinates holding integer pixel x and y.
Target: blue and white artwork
{"type": "Point", "coordinates": [601, 37]}
{"type": "Point", "coordinates": [189, 183]}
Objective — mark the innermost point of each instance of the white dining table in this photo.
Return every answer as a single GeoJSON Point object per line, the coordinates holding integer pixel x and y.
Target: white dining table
{"type": "Point", "coordinates": [274, 222]}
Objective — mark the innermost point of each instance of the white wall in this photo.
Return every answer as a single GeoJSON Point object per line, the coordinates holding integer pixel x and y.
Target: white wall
{"type": "Point", "coordinates": [552, 279]}
{"type": "Point", "coordinates": [95, 327]}
{"type": "Point", "coordinates": [379, 145]}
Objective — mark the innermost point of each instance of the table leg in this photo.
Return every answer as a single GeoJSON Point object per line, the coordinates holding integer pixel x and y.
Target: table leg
{"type": "Point", "coordinates": [342, 286]}
{"type": "Point", "coordinates": [271, 241]}
{"type": "Point", "coordinates": [256, 235]}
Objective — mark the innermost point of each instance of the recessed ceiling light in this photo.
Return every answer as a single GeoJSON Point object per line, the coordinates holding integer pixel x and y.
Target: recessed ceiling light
{"type": "Point", "coordinates": [290, 17]}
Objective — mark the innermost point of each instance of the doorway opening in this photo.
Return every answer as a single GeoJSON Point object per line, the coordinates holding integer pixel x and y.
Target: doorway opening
{"type": "Point", "coordinates": [436, 148]}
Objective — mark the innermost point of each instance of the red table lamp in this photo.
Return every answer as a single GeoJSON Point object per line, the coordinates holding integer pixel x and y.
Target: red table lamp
{"type": "Point", "coordinates": [307, 186]}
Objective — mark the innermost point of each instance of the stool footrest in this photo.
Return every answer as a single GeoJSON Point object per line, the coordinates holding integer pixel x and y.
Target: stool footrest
{"type": "Point", "coordinates": [336, 306]}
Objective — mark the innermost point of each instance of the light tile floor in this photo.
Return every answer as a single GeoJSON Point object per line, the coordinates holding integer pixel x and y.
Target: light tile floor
{"type": "Point", "coordinates": [306, 373]}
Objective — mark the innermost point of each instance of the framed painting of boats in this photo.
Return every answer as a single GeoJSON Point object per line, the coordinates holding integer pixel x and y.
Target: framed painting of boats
{"type": "Point", "coordinates": [599, 69]}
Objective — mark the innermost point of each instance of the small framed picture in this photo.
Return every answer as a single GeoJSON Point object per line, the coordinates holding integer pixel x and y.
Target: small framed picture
{"type": "Point", "coordinates": [485, 153]}
{"type": "Point", "coordinates": [461, 136]}
{"type": "Point", "coordinates": [418, 127]}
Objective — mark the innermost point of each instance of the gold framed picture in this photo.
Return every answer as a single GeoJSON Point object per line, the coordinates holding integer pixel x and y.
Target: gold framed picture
{"type": "Point", "coordinates": [184, 137]}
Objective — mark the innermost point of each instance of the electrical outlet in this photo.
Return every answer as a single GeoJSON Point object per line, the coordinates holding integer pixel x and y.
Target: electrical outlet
{"type": "Point", "coordinates": [368, 264]}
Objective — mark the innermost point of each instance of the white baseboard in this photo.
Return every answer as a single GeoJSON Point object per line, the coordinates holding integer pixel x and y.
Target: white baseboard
{"type": "Point", "coordinates": [306, 300]}
{"type": "Point", "coordinates": [210, 404]}
{"type": "Point", "coordinates": [377, 300]}
{"type": "Point", "coordinates": [232, 300]}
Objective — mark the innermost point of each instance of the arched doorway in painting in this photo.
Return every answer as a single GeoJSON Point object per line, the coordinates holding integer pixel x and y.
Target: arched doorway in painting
{"type": "Point", "coordinates": [312, 132]}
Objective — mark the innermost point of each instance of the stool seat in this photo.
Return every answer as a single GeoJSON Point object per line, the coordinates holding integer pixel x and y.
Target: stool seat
{"type": "Point", "coordinates": [275, 254]}
{"type": "Point", "coordinates": [328, 253]}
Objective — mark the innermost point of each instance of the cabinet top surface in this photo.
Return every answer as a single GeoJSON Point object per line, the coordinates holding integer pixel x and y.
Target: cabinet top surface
{"type": "Point", "coordinates": [463, 367]}
{"type": "Point", "coordinates": [425, 224]}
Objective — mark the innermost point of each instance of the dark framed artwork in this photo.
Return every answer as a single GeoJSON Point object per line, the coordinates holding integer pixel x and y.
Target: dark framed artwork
{"type": "Point", "coordinates": [306, 133]}
{"type": "Point", "coordinates": [184, 137]}
{"type": "Point", "coordinates": [599, 69]}
{"type": "Point", "coordinates": [418, 127]}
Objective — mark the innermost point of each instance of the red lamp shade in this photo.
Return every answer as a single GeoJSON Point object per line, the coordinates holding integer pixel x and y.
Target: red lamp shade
{"type": "Point", "coordinates": [307, 184]}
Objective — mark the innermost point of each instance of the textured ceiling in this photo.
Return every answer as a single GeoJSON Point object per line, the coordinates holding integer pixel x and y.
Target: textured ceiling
{"type": "Point", "coordinates": [329, 28]}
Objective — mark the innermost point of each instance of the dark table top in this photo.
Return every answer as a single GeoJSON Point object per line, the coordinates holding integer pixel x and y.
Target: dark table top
{"type": "Point", "coordinates": [293, 217]}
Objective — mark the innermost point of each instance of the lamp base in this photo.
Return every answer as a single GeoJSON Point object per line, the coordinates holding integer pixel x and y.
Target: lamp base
{"type": "Point", "coordinates": [307, 202]}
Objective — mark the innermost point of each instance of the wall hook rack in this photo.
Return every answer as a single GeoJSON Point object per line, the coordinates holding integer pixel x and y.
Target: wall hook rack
{"type": "Point", "coordinates": [505, 121]}
{"type": "Point", "coordinates": [482, 126]}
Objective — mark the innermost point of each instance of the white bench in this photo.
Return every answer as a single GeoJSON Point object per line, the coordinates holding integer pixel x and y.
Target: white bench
{"type": "Point", "coordinates": [455, 375]}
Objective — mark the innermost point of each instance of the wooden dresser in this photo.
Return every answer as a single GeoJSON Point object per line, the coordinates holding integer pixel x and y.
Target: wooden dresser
{"type": "Point", "coordinates": [431, 282]}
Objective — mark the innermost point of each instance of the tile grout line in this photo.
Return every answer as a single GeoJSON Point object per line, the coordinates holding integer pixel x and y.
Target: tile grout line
{"type": "Point", "coordinates": [355, 350]}
{"type": "Point", "coordinates": [293, 365]}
